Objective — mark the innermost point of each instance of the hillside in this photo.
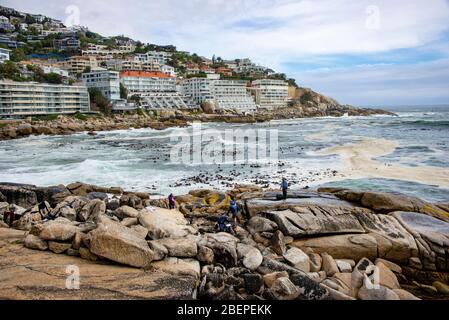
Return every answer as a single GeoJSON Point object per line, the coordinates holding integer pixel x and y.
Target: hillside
{"type": "Point", "coordinates": [34, 37]}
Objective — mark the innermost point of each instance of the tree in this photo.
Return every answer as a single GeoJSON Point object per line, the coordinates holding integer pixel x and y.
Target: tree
{"type": "Point", "coordinates": [123, 92]}
{"type": "Point", "coordinates": [97, 97]}
{"type": "Point", "coordinates": [29, 19]}
{"type": "Point", "coordinates": [18, 54]}
{"type": "Point", "coordinates": [136, 99]}
{"type": "Point", "coordinates": [306, 97]}
{"type": "Point", "coordinates": [196, 58]}
{"type": "Point", "coordinates": [53, 78]}
{"type": "Point", "coordinates": [292, 82]}
{"type": "Point", "coordinates": [9, 70]}
{"type": "Point", "coordinates": [87, 69]}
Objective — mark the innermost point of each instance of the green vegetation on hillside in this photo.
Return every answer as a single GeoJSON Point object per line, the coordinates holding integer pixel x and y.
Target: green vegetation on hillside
{"type": "Point", "coordinates": [97, 98]}
{"type": "Point", "coordinates": [10, 70]}
{"type": "Point", "coordinates": [49, 117]}
{"type": "Point", "coordinates": [123, 92]}
{"type": "Point", "coordinates": [306, 97]}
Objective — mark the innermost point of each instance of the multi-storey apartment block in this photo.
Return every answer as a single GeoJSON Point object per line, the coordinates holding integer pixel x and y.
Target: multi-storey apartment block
{"type": "Point", "coordinates": [102, 50]}
{"type": "Point", "coordinates": [66, 43]}
{"type": "Point", "coordinates": [269, 93]}
{"type": "Point", "coordinates": [197, 90]}
{"type": "Point", "coordinates": [77, 64]}
{"type": "Point", "coordinates": [156, 89]}
{"type": "Point", "coordinates": [108, 82]}
{"type": "Point", "coordinates": [19, 99]}
{"type": "Point", "coordinates": [160, 57]}
{"type": "Point", "coordinates": [124, 65]}
{"type": "Point", "coordinates": [225, 94]}
{"type": "Point", "coordinates": [229, 94]}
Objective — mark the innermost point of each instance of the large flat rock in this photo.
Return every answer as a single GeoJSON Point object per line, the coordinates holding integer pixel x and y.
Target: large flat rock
{"type": "Point", "coordinates": [257, 206]}
{"type": "Point", "coordinates": [316, 220]}
{"type": "Point", "coordinates": [390, 202]}
{"type": "Point", "coordinates": [395, 243]}
{"type": "Point", "coordinates": [422, 223]}
{"type": "Point", "coordinates": [350, 246]}
{"type": "Point", "coordinates": [163, 223]}
{"type": "Point", "coordinates": [36, 275]}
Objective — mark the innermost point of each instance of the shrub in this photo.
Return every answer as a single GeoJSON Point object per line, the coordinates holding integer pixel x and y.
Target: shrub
{"type": "Point", "coordinates": [140, 112]}
{"type": "Point", "coordinates": [49, 117]}
{"type": "Point", "coordinates": [306, 97]}
{"type": "Point", "coordinates": [80, 116]}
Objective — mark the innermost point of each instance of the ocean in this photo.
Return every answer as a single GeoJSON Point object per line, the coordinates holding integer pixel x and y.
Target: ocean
{"type": "Point", "coordinates": [407, 154]}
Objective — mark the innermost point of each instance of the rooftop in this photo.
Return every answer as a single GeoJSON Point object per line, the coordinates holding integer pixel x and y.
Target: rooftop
{"type": "Point", "coordinates": [144, 74]}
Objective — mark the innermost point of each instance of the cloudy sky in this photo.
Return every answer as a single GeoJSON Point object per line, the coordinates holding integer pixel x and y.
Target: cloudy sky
{"type": "Point", "coordinates": [367, 53]}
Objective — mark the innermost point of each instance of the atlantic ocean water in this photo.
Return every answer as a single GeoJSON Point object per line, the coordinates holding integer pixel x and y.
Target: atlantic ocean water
{"type": "Point", "coordinates": [408, 154]}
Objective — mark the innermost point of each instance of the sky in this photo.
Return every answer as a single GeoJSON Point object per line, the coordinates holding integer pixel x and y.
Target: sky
{"type": "Point", "coordinates": [363, 53]}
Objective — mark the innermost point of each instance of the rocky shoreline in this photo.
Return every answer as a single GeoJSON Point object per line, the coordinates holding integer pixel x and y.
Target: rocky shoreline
{"type": "Point", "coordinates": [66, 125]}
{"type": "Point", "coordinates": [327, 244]}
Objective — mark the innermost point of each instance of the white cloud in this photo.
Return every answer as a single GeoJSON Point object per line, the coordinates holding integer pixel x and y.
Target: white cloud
{"type": "Point", "coordinates": [281, 32]}
{"type": "Point", "coordinates": [300, 28]}
{"type": "Point", "coordinates": [383, 84]}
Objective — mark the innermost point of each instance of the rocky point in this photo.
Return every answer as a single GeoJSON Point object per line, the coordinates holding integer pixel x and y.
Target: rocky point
{"type": "Point", "coordinates": [329, 244]}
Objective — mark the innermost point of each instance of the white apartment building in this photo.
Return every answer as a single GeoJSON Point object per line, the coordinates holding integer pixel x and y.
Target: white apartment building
{"type": "Point", "coordinates": [102, 50]}
{"type": "Point", "coordinates": [144, 82]}
{"type": "Point", "coordinates": [168, 70]}
{"type": "Point", "coordinates": [229, 94]}
{"type": "Point", "coordinates": [108, 82]}
{"type": "Point", "coordinates": [269, 93]}
{"type": "Point", "coordinates": [225, 94]}
{"type": "Point", "coordinates": [160, 57]}
{"type": "Point", "coordinates": [38, 17]}
{"type": "Point", "coordinates": [120, 65]}
{"type": "Point", "coordinates": [4, 55]}
{"type": "Point", "coordinates": [197, 90]}
{"type": "Point", "coordinates": [156, 89]}
{"type": "Point", "coordinates": [4, 19]}
{"type": "Point", "coordinates": [152, 66]}
{"type": "Point", "coordinates": [51, 69]}
{"type": "Point", "coordinates": [7, 26]}
{"type": "Point", "coordinates": [36, 26]}
{"type": "Point", "coordinates": [231, 64]}
{"type": "Point", "coordinates": [30, 98]}
{"type": "Point", "coordinates": [123, 65]}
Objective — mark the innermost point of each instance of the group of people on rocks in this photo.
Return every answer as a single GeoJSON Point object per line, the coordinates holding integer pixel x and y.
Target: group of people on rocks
{"type": "Point", "coordinates": [228, 222]}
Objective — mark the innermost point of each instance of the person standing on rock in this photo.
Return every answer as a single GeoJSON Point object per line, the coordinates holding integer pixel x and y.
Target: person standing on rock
{"type": "Point", "coordinates": [284, 187]}
{"type": "Point", "coordinates": [171, 201]}
{"type": "Point", "coordinates": [233, 208]}
{"type": "Point", "coordinates": [11, 214]}
{"type": "Point", "coordinates": [43, 209]}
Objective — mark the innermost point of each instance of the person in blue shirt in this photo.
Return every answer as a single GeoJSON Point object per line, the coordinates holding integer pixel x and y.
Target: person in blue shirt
{"type": "Point", "coordinates": [233, 208]}
{"type": "Point", "coordinates": [284, 187]}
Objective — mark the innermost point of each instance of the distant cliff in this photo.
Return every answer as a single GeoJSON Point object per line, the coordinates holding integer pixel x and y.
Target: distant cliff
{"type": "Point", "coordinates": [308, 103]}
